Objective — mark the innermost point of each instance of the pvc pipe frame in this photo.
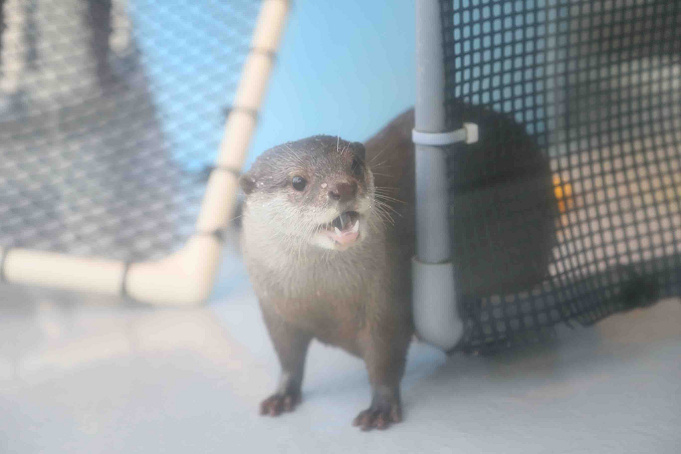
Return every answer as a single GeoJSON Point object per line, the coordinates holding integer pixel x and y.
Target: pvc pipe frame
{"type": "Point", "coordinates": [186, 277]}
{"type": "Point", "coordinates": [434, 291]}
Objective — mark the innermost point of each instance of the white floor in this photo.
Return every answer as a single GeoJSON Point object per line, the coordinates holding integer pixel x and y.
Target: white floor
{"type": "Point", "coordinates": [91, 375]}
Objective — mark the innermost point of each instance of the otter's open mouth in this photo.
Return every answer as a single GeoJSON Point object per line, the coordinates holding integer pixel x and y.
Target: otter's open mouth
{"type": "Point", "coordinates": [344, 230]}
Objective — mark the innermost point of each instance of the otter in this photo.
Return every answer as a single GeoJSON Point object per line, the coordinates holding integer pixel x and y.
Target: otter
{"type": "Point", "coordinates": [319, 246]}
{"type": "Point", "coordinates": [328, 233]}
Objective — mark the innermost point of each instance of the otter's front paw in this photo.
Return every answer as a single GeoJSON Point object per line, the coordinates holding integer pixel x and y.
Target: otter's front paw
{"type": "Point", "coordinates": [380, 415]}
{"type": "Point", "coordinates": [278, 403]}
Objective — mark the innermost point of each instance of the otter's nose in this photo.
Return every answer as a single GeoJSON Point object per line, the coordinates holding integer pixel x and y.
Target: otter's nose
{"type": "Point", "coordinates": [343, 191]}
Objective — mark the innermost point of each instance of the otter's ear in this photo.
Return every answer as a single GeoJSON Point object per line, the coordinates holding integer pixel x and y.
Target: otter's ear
{"type": "Point", "coordinates": [247, 183]}
{"type": "Point", "coordinates": [359, 149]}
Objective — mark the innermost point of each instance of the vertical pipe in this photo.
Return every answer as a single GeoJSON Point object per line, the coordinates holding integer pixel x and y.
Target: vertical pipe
{"type": "Point", "coordinates": [432, 226]}
{"type": "Point", "coordinates": [434, 292]}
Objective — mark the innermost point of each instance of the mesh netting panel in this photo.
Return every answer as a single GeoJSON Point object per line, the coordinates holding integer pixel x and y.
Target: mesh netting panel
{"type": "Point", "coordinates": [569, 207]}
{"type": "Point", "coordinates": [109, 112]}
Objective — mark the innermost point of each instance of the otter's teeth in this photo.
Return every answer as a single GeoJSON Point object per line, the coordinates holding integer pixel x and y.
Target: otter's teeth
{"type": "Point", "coordinates": [338, 232]}
{"type": "Point", "coordinates": [355, 228]}
{"type": "Point", "coordinates": [344, 219]}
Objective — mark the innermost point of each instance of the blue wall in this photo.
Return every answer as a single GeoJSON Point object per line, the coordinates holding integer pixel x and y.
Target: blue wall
{"type": "Point", "coordinates": [346, 67]}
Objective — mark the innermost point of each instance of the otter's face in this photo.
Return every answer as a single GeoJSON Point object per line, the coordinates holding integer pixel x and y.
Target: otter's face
{"type": "Point", "coordinates": [317, 191]}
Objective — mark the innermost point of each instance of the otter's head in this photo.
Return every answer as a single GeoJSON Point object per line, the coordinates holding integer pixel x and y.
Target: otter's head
{"type": "Point", "coordinates": [316, 191]}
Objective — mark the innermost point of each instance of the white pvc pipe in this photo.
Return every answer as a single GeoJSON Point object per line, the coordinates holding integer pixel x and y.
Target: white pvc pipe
{"type": "Point", "coordinates": [24, 266]}
{"type": "Point", "coordinates": [13, 47]}
{"type": "Point", "coordinates": [186, 277]}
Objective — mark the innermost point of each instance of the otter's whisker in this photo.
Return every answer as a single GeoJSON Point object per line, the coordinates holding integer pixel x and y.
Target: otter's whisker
{"type": "Point", "coordinates": [377, 155]}
{"type": "Point", "coordinates": [381, 210]}
{"type": "Point", "coordinates": [386, 188]}
{"type": "Point", "coordinates": [389, 199]}
{"type": "Point", "coordinates": [380, 165]}
{"type": "Point", "coordinates": [385, 207]}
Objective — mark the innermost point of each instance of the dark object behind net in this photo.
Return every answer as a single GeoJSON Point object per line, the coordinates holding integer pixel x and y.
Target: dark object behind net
{"type": "Point", "coordinates": [109, 110]}
{"type": "Point", "coordinates": [593, 89]}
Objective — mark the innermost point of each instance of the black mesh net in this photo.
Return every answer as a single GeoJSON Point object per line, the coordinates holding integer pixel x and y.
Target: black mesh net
{"type": "Point", "coordinates": [569, 207]}
{"type": "Point", "coordinates": [110, 112]}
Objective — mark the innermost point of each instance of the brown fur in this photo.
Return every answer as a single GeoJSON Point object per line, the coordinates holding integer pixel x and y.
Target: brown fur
{"type": "Point", "coordinates": [357, 299]}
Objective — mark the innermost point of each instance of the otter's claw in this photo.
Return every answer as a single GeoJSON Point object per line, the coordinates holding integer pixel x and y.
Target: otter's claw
{"type": "Point", "coordinates": [276, 404]}
{"type": "Point", "coordinates": [378, 418]}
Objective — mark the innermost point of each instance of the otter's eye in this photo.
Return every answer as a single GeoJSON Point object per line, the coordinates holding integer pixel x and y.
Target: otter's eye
{"type": "Point", "coordinates": [356, 167]}
{"type": "Point", "coordinates": [298, 183]}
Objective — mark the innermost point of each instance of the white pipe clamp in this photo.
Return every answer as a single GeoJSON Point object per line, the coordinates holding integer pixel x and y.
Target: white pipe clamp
{"type": "Point", "coordinates": [468, 134]}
